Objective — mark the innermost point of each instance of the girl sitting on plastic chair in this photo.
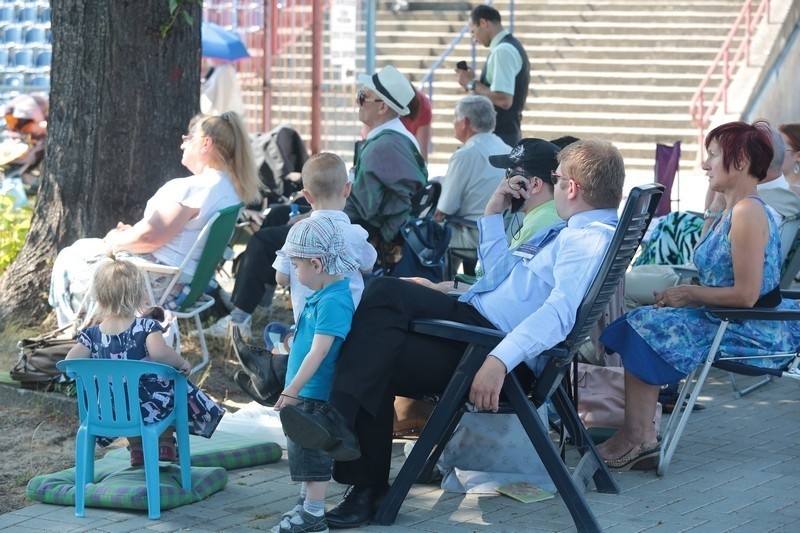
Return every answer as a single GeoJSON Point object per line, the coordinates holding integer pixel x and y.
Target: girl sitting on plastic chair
{"type": "Point", "coordinates": [119, 290]}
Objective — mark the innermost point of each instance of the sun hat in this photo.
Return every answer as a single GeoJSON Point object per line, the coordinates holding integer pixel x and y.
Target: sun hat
{"type": "Point", "coordinates": [319, 238]}
{"type": "Point", "coordinates": [536, 156]}
{"type": "Point", "coordinates": [393, 88]}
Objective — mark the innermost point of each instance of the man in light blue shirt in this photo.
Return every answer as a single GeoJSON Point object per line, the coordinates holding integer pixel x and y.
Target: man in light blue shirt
{"type": "Point", "coordinates": [532, 293]}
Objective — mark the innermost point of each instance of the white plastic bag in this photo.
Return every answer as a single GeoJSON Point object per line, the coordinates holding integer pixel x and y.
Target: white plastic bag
{"type": "Point", "coordinates": [255, 420]}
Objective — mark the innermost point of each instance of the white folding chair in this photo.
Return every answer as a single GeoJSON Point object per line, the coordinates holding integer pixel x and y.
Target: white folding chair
{"type": "Point", "coordinates": [731, 362]}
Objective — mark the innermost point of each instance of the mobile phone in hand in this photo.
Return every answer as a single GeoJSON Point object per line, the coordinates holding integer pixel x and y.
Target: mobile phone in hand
{"type": "Point", "coordinates": [516, 203]}
{"type": "Point", "coordinates": [462, 65]}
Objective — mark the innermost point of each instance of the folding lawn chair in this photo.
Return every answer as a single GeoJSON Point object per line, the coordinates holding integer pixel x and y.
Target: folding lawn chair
{"type": "Point", "coordinates": [636, 216]}
{"type": "Point", "coordinates": [214, 239]}
{"type": "Point", "coordinates": [730, 363]}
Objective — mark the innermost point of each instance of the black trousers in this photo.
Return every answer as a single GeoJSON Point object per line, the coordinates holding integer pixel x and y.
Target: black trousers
{"type": "Point", "coordinates": [381, 358]}
{"type": "Point", "coordinates": [255, 265]}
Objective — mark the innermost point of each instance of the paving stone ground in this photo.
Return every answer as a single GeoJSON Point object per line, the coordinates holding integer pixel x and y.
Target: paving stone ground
{"type": "Point", "coordinates": [736, 469]}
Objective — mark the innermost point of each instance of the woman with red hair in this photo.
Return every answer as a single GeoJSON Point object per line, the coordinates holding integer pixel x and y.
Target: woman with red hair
{"type": "Point", "coordinates": [661, 344]}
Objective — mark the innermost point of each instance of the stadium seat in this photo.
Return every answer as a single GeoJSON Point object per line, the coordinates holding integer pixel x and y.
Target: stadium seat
{"type": "Point", "coordinates": [23, 58]}
{"type": "Point", "coordinates": [36, 35]}
{"type": "Point", "coordinates": [43, 58]}
{"type": "Point", "coordinates": [12, 34]}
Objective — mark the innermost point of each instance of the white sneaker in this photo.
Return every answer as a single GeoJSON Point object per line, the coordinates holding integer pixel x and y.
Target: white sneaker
{"type": "Point", "coordinates": [222, 328]}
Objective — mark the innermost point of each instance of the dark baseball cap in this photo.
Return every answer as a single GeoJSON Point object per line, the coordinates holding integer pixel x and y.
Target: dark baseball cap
{"type": "Point", "coordinates": [536, 156]}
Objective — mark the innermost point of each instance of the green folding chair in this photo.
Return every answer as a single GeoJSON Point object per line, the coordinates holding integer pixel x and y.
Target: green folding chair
{"type": "Point", "coordinates": [214, 239]}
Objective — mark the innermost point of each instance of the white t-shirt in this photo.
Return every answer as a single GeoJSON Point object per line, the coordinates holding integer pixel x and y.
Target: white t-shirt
{"type": "Point", "coordinates": [356, 239]}
{"type": "Point", "coordinates": [209, 192]}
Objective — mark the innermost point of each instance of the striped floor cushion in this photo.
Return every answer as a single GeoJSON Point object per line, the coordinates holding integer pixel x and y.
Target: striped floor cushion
{"type": "Point", "coordinates": [119, 486]}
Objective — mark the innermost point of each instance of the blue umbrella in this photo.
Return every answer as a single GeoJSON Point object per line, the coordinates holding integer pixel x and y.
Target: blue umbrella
{"type": "Point", "coordinates": [219, 43]}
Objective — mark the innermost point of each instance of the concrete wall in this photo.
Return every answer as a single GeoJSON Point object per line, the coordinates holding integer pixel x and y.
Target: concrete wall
{"type": "Point", "coordinates": [777, 100]}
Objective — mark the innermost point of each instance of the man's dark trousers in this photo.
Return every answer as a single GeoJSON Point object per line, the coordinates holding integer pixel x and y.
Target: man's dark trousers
{"type": "Point", "coordinates": [381, 359]}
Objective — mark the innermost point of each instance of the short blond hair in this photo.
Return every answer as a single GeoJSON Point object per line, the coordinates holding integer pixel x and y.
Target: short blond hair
{"type": "Point", "coordinates": [325, 176]}
{"type": "Point", "coordinates": [597, 166]}
{"type": "Point", "coordinates": [118, 287]}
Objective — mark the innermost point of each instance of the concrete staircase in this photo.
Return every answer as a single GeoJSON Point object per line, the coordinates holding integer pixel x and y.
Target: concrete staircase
{"type": "Point", "coordinates": [624, 70]}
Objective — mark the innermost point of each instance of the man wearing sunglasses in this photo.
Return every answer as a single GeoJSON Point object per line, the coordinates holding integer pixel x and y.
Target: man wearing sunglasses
{"type": "Point", "coordinates": [388, 171]}
{"type": "Point", "coordinates": [388, 168]}
{"type": "Point", "coordinates": [532, 293]}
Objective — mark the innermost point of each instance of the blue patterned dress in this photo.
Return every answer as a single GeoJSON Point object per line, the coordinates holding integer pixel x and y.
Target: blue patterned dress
{"type": "Point", "coordinates": [654, 341]}
{"type": "Point", "coordinates": [155, 394]}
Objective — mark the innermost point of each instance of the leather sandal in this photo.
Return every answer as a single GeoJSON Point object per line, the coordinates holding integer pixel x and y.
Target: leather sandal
{"type": "Point", "coordinates": [137, 455]}
{"type": "Point", "coordinates": [167, 450]}
{"type": "Point", "coordinates": [641, 457]}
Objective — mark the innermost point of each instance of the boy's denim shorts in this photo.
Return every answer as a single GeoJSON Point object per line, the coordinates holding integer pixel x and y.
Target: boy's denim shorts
{"type": "Point", "coordinates": [306, 464]}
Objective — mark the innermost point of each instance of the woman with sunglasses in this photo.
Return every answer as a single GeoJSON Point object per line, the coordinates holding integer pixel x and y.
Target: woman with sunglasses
{"type": "Point", "coordinates": [217, 151]}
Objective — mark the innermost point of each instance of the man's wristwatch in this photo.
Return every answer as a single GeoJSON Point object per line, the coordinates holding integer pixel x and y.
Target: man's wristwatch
{"type": "Point", "coordinates": [711, 214]}
{"type": "Point", "coordinates": [471, 85]}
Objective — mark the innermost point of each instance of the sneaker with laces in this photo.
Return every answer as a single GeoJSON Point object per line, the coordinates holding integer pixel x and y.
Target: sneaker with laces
{"type": "Point", "coordinates": [302, 522]}
{"type": "Point", "coordinates": [222, 328]}
{"type": "Point", "coordinates": [277, 335]}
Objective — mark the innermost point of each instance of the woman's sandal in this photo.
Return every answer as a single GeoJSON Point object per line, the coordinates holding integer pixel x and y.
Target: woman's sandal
{"type": "Point", "coordinates": [167, 450]}
{"type": "Point", "coordinates": [641, 457]}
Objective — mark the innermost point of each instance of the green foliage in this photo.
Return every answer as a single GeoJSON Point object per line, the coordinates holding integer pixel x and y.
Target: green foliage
{"type": "Point", "coordinates": [14, 226]}
{"type": "Point", "coordinates": [178, 8]}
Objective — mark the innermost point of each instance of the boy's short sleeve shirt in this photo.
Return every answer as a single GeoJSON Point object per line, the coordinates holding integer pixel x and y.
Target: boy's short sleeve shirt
{"type": "Point", "coordinates": [328, 311]}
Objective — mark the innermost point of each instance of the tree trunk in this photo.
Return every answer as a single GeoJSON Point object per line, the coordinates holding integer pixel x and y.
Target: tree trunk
{"type": "Point", "coordinates": [121, 96]}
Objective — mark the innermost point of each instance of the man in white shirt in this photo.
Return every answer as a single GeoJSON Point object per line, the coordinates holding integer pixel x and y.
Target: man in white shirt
{"type": "Point", "coordinates": [470, 179]}
{"type": "Point", "coordinates": [532, 293]}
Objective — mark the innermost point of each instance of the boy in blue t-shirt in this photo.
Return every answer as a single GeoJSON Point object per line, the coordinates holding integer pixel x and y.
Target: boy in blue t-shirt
{"type": "Point", "coordinates": [320, 258]}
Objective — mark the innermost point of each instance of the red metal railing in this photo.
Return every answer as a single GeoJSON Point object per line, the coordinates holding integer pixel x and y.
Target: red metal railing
{"type": "Point", "coordinates": [747, 21]}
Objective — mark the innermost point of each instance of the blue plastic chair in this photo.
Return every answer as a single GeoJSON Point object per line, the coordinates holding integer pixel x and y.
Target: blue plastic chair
{"type": "Point", "coordinates": [108, 405]}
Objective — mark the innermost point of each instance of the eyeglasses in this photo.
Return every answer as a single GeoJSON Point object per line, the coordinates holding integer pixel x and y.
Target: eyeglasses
{"type": "Point", "coordinates": [555, 176]}
{"type": "Point", "coordinates": [361, 99]}
{"type": "Point", "coordinates": [516, 185]}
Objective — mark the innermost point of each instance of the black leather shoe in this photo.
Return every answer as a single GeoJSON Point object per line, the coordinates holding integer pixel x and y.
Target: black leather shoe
{"type": "Point", "coordinates": [243, 378]}
{"type": "Point", "coordinates": [357, 507]}
{"type": "Point", "coordinates": [324, 429]}
{"type": "Point", "coordinates": [265, 372]}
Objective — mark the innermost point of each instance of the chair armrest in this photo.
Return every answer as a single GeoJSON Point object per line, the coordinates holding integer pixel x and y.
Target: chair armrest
{"type": "Point", "coordinates": [460, 221]}
{"type": "Point", "coordinates": [728, 313]}
{"type": "Point", "coordinates": [156, 268]}
{"type": "Point", "coordinates": [456, 331]}
{"type": "Point", "coordinates": [791, 295]}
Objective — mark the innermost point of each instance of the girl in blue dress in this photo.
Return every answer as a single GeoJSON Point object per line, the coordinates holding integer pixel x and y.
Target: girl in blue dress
{"type": "Point", "coordinates": [738, 262]}
{"type": "Point", "coordinates": [119, 290]}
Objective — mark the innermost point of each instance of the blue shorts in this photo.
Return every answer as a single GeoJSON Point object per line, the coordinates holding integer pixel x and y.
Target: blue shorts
{"type": "Point", "coordinates": [306, 464]}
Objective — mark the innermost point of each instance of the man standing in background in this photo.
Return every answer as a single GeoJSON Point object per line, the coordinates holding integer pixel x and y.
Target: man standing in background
{"type": "Point", "coordinates": [506, 75]}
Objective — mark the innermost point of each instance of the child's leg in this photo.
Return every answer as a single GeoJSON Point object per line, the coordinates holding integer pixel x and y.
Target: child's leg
{"type": "Point", "coordinates": [315, 497]}
{"type": "Point", "coordinates": [167, 450]}
{"type": "Point", "coordinates": [135, 449]}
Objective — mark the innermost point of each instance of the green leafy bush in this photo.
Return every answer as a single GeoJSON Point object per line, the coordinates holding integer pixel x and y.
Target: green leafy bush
{"type": "Point", "coordinates": [14, 226]}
